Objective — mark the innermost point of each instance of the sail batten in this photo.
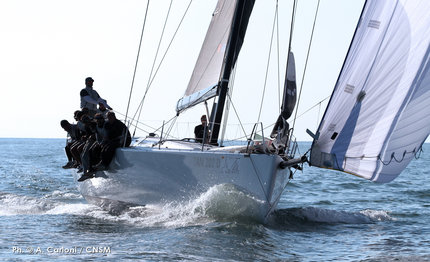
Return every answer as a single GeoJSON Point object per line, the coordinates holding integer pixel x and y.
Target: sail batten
{"type": "Point", "coordinates": [379, 106]}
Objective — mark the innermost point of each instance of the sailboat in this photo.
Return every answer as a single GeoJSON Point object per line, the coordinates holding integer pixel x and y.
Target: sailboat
{"type": "Point", "coordinates": [375, 122]}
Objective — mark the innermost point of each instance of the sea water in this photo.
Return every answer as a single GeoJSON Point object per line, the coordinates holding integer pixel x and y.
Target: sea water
{"type": "Point", "coordinates": [322, 216]}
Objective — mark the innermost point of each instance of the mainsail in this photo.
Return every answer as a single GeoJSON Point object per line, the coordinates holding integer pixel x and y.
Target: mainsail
{"type": "Point", "coordinates": [204, 80]}
{"type": "Point", "coordinates": [378, 117]}
{"type": "Point", "coordinates": [218, 56]}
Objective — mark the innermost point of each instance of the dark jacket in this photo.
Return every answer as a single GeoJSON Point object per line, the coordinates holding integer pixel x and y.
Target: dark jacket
{"type": "Point", "coordinates": [115, 133]}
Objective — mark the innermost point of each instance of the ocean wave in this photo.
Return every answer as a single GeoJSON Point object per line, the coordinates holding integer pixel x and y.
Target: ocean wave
{"type": "Point", "coordinates": [58, 194]}
{"type": "Point", "coordinates": [12, 204]}
{"type": "Point", "coordinates": [321, 215]}
{"type": "Point", "coordinates": [221, 203]}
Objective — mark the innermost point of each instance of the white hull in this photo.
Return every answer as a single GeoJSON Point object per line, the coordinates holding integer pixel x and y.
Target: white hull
{"type": "Point", "coordinates": [145, 175]}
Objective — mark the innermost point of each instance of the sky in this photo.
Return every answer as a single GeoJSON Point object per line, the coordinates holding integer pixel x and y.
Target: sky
{"type": "Point", "coordinates": [49, 47]}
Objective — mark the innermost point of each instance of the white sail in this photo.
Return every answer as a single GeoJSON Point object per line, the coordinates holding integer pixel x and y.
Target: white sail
{"type": "Point", "coordinates": [204, 80]}
{"type": "Point", "coordinates": [378, 117]}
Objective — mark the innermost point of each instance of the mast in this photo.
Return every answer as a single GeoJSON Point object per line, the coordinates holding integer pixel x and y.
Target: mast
{"type": "Point", "coordinates": [237, 34]}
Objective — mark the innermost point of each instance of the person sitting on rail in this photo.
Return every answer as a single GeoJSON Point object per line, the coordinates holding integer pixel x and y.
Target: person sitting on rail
{"type": "Point", "coordinates": [78, 148]}
{"type": "Point", "coordinates": [74, 133]}
{"type": "Point", "coordinates": [116, 132]}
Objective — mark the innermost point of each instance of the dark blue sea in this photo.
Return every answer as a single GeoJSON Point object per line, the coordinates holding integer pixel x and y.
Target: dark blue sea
{"type": "Point", "coordinates": [322, 216]}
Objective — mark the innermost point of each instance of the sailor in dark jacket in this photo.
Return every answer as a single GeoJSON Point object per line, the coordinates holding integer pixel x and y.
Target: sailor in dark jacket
{"type": "Point", "coordinates": [74, 133]}
{"type": "Point", "coordinates": [115, 131]}
{"type": "Point", "coordinates": [201, 129]}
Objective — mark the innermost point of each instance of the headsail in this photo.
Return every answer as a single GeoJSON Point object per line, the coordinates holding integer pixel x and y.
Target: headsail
{"type": "Point", "coordinates": [378, 117]}
{"type": "Point", "coordinates": [204, 80]}
{"type": "Point", "coordinates": [281, 128]}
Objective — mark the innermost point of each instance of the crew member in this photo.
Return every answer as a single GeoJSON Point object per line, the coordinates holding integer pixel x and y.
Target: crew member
{"type": "Point", "coordinates": [200, 130]}
{"type": "Point", "coordinates": [90, 98]}
{"type": "Point", "coordinates": [74, 133]}
{"type": "Point", "coordinates": [116, 132]}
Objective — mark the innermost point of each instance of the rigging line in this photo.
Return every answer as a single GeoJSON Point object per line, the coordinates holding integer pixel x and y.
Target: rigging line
{"type": "Point", "coordinates": [148, 126]}
{"type": "Point", "coordinates": [155, 60]}
{"type": "Point", "coordinates": [319, 103]}
{"type": "Point", "coordinates": [137, 122]}
{"type": "Point", "coordinates": [306, 63]}
{"type": "Point", "coordinates": [318, 116]}
{"type": "Point", "coordinates": [268, 63]}
{"type": "Point", "coordinates": [237, 115]}
{"type": "Point", "coordinates": [171, 126]}
{"type": "Point", "coordinates": [164, 56]}
{"type": "Point", "coordinates": [393, 157]}
{"type": "Point", "coordinates": [267, 127]}
{"type": "Point", "coordinates": [171, 41]}
{"type": "Point", "coordinates": [137, 61]}
{"type": "Point", "coordinates": [277, 52]}
{"type": "Point", "coordinates": [227, 105]}
{"type": "Point", "coordinates": [159, 45]}
{"type": "Point", "coordinates": [141, 129]}
{"type": "Point", "coordinates": [293, 19]}
{"type": "Point", "coordinates": [418, 153]}
{"type": "Point", "coordinates": [165, 123]}
{"type": "Point", "coordinates": [136, 125]}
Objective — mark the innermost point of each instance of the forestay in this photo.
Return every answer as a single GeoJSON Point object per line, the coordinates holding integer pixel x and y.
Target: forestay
{"type": "Point", "coordinates": [378, 116]}
{"type": "Point", "coordinates": [206, 74]}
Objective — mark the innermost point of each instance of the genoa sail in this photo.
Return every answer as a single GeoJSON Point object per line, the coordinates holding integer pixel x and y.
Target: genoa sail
{"type": "Point", "coordinates": [205, 77]}
{"type": "Point", "coordinates": [378, 117]}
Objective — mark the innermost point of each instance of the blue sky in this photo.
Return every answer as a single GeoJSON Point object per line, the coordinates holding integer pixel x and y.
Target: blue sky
{"type": "Point", "coordinates": [49, 47]}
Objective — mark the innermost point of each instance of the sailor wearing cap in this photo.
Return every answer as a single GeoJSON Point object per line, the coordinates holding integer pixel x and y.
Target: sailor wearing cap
{"type": "Point", "coordinates": [90, 98]}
